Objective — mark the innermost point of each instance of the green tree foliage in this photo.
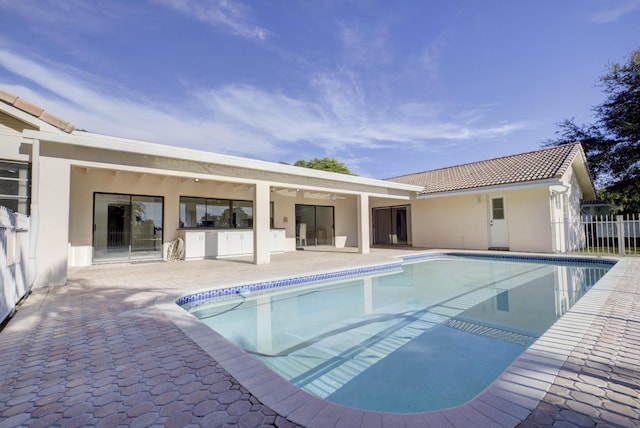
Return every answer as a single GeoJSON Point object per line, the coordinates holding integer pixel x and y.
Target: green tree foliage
{"type": "Point", "coordinates": [612, 142]}
{"type": "Point", "coordinates": [324, 164]}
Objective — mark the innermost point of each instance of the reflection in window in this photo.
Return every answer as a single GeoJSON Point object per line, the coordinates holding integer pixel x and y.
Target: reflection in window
{"type": "Point", "coordinates": [502, 301]}
{"type": "Point", "coordinates": [215, 213]}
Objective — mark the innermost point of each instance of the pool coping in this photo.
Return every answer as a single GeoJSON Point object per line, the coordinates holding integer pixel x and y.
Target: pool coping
{"type": "Point", "coordinates": [506, 402]}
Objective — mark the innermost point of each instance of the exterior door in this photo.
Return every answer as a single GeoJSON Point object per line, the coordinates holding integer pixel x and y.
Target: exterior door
{"type": "Point", "coordinates": [498, 226]}
{"type": "Point", "coordinates": [127, 228]}
{"type": "Point", "coordinates": [391, 226]}
{"type": "Point", "coordinates": [314, 225]}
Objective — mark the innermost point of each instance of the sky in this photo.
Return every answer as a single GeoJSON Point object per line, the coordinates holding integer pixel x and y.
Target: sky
{"type": "Point", "coordinates": [386, 87]}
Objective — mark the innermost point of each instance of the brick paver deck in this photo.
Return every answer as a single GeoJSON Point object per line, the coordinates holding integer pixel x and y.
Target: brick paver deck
{"type": "Point", "coordinates": [99, 352]}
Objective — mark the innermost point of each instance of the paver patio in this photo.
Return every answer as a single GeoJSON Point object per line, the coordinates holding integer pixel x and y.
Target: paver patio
{"type": "Point", "coordinates": [99, 352]}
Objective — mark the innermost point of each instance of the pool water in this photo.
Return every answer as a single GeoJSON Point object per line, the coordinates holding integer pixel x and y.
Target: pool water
{"type": "Point", "coordinates": [428, 335]}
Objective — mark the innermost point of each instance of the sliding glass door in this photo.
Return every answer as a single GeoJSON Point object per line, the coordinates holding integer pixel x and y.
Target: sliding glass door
{"type": "Point", "coordinates": [392, 226]}
{"type": "Point", "coordinates": [127, 228]}
{"type": "Point", "coordinates": [314, 225]}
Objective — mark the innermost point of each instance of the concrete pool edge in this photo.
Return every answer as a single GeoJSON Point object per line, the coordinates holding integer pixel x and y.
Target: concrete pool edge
{"type": "Point", "coordinates": [506, 402]}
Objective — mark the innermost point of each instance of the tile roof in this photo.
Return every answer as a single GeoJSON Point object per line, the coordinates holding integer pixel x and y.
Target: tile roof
{"type": "Point", "coordinates": [521, 168]}
{"type": "Point", "coordinates": [35, 111]}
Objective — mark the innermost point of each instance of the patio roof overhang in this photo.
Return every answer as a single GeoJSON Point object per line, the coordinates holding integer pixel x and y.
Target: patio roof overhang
{"type": "Point", "coordinates": [106, 152]}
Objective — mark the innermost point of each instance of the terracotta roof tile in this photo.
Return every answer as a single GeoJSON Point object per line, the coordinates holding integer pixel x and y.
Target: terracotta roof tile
{"type": "Point", "coordinates": [526, 167]}
{"type": "Point", "coordinates": [35, 111]}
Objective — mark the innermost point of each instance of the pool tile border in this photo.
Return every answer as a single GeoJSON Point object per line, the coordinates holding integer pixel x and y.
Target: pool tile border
{"type": "Point", "coordinates": [506, 402]}
{"type": "Point", "coordinates": [202, 297]}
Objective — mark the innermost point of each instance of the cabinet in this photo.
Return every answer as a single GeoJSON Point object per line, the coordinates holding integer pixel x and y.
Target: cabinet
{"type": "Point", "coordinates": [193, 245]}
{"type": "Point", "coordinates": [234, 243]}
{"type": "Point", "coordinates": [199, 244]}
{"type": "Point", "coordinates": [278, 241]}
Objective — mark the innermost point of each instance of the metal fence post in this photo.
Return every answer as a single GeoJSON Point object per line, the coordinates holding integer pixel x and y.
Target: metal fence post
{"type": "Point", "coordinates": [620, 227]}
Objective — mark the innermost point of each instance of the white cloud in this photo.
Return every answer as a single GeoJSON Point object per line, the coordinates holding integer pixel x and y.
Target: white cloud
{"type": "Point", "coordinates": [226, 14]}
{"type": "Point", "coordinates": [431, 55]}
{"type": "Point", "coordinates": [615, 10]}
{"type": "Point", "coordinates": [246, 120]}
{"type": "Point", "coordinates": [47, 14]}
{"type": "Point", "coordinates": [365, 45]}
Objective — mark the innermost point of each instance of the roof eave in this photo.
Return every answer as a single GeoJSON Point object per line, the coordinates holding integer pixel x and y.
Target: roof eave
{"type": "Point", "coordinates": [584, 176]}
{"type": "Point", "coordinates": [105, 142]}
{"type": "Point", "coordinates": [492, 189]}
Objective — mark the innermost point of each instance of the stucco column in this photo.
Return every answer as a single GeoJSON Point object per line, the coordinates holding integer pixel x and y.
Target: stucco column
{"type": "Point", "coordinates": [363, 224]}
{"type": "Point", "coordinates": [261, 224]}
{"type": "Point", "coordinates": [52, 218]}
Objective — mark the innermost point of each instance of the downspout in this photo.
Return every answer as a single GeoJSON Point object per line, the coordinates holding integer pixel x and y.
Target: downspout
{"type": "Point", "coordinates": [35, 217]}
{"type": "Point", "coordinates": [554, 220]}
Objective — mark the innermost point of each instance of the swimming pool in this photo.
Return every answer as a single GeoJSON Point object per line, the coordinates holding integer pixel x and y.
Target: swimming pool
{"type": "Point", "coordinates": [426, 334]}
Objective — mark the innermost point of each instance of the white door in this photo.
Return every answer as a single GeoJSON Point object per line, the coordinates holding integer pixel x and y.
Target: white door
{"type": "Point", "coordinates": [498, 227]}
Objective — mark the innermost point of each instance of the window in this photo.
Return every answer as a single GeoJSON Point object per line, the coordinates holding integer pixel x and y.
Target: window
{"type": "Point", "coordinates": [502, 301]}
{"type": "Point", "coordinates": [498, 208]}
{"type": "Point", "coordinates": [215, 213]}
{"type": "Point", "coordinates": [15, 186]}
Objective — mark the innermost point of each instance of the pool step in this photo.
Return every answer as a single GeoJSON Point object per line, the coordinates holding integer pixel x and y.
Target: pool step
{"type": "Point", "coordinates": [492, 332]}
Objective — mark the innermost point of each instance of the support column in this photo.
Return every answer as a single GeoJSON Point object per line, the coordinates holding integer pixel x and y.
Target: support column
{"type": "Point", "coordinates": [363, 224]}
{"type": "Point", "coordinates": [51, 231]}
{"type": "Point", "coordinates": [261, 224]}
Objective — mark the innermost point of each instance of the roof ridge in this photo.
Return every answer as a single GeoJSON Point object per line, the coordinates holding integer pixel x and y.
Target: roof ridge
{"type": "Point", "coordinates": [485, 160]}
{"type": "Point", "coordinates": [35, 111]}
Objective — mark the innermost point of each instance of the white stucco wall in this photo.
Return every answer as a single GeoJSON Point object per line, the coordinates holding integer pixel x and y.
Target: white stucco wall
{"type": "Point", "coordinates": [451, 222]}
{"type": "Point", "coordinates": [529, 218]}
{"type": "Point", "coordinates": [462, 221]}
{"type": "Point", "coordinates": [11, 139]}
{"type": "Point", "coordinates": [53, 215]}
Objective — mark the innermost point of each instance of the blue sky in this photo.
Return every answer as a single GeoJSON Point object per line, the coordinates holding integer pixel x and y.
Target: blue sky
{"type": "Point", "coordinates": [388, 88]}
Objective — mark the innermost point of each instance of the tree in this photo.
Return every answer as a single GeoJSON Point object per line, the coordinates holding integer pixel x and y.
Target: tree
{"type": "Point", "coordinates": [324, 164]}
{"type": "Point", "coordinates": [612, 143]}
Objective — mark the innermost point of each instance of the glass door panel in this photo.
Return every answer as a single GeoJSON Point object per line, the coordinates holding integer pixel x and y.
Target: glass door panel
{"type": "Point", "coordinates": [111, 227]}
{"type": "Point", "coordinates": [305, 225]}
{"type": "Point", "coordinates": [127, 228]}
{"type": "Point", "coordinates": [382, 226]}
{"type": "Point", "coordinates": [146, 228]}
{"type": "Point", "coordinates": [324, 225]}
{"type": "Point", "coordinates": [314, 225]}
{"type": "Point", "coordinates": [392, 226]}
{"type": "Point", "coordinates": [400, 225]}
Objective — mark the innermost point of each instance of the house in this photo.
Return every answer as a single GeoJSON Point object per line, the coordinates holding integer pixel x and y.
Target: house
{"type": "Point", "coordinates": [524, 202]}
{"type": "Point", "coordinates": [101, 199]}
{"type": "Point", "coordinates": [598, 208]}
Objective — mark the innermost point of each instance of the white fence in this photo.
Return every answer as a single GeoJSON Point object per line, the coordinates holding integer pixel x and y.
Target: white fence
{"type": "Point", "coordinates": [14, 259]}
{"type": "Point", "coordinates": [612, 234]}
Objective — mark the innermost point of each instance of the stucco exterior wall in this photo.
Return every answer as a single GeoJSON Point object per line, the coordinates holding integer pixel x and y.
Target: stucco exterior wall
{"type": "Point", "coordinates": [11, 139]}
{"type": "Point", "coordinates": [565, 214]}
{"type": "Point", "coordinates": [462, 221]}
{"type": "Point", "coordinates": [528, 214]}
{"type": "Point", "coordinates": [53, 222]}
{"type": "Point", "coordinates": [346, 222]}
{"type": "Point", "coordinates": [451, 222]}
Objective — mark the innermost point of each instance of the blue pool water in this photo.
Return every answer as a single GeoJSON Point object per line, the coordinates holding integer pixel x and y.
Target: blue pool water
{"type": "Point", "coordinates": [424, 335]}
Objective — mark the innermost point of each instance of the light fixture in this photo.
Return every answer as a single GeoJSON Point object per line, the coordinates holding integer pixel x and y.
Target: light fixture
{"type": "Point", "coordinates": [197, 180]}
